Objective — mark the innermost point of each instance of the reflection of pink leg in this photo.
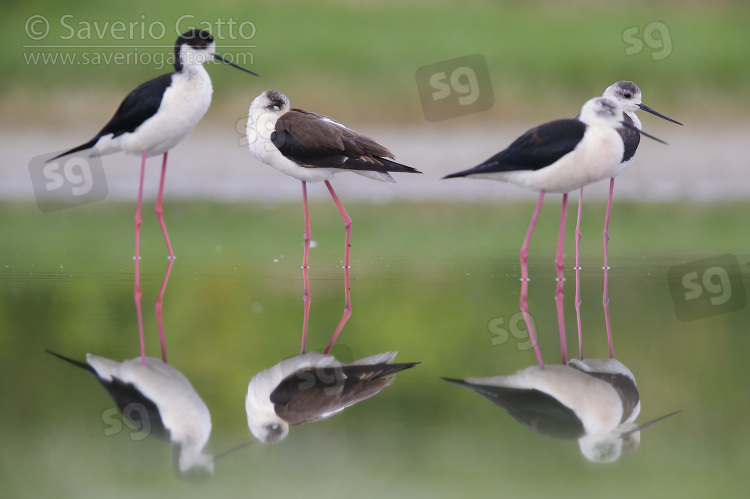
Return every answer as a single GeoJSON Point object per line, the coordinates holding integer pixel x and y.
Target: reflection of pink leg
{"type": "Point", "coordinates": [306, 299]}
{"type": "Point", "coordinates": [578, 276]}
{"type": "Point", "coordinates": [308, 233]}
{"type": "Point", "coordinates": [347, 224]}
{"type": "Point", "coordinates": [347, 311]}
{"type": "Point", "coordinates": [137, 258]}
{"type": "Point", "coordinates": [525, 281]}
{"type": "Point", "coordinates": [561, 281]}
{"type": "Point", "coordinates": [605, 296]}
{"type": "Point", "coordinates": [160, 298]}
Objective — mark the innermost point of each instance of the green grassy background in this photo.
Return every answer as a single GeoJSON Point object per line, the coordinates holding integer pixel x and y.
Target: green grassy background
{"type": "Point", "coordinates": [426, 278]}
{"type": "Point", "coordinates": [329, 55]}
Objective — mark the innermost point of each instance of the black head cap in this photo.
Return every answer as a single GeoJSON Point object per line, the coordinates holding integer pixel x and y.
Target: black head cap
{"type": "Point", "coordinates": [276, 99]}
{"type": "Point", "coordinates": [199, 39]}
{"type": "Point", "coordinates": [627, 89]}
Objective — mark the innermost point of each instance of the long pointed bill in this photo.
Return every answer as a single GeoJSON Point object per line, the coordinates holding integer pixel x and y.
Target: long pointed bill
{"type": "Point", "coordinates": [220, 58]}
{"type": "Point", "coordinates": [650, 423]}
{"type": "Point", "coordinates": [649, 110]}
{"type": "Point", "coordinates": [230, 451]}
{"type": "Point", "coordinates": [633, 127]}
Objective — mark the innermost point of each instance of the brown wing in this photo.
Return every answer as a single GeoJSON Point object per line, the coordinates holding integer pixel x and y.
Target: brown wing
{"type": "Point", "coordinates": [315, 141]}
{"type": "Point", "coordinates": [315, 393]}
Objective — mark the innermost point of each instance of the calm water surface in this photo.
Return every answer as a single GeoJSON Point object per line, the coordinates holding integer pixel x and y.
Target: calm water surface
{"type": "Point", "coordinates": [228, 319]}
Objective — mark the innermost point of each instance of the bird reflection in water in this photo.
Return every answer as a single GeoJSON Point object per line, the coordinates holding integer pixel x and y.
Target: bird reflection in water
{"type": "Point", "coordinates": [158, 399]}
{"type": "Point", "coordinates": [594, 401]}
{"type": "Point", "coordinates": [310, 387]}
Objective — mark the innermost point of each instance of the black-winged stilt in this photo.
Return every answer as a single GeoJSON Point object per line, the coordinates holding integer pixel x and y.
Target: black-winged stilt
{"type": "Point", "coordinates": [558, 156]}
{"type": "Point", "coordinates": [310, 387]}
{"type": "Point", "coordinates": [159, 392]}
{"type": "Point", "coordinates": [151, 120]}
{"type": "Point", "coordinates": [628, 95]}
{"type": "Point", "coordinates": [312, 148]}
{"type": "Point", "coordinates": [594, 401]}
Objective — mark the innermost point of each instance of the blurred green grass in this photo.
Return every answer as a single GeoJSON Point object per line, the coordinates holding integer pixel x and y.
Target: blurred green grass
{"type": "Point", "coordinates": [346, 58]}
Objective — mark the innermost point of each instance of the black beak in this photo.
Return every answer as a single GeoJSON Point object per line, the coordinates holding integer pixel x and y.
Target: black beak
{"type": "Point", "coordinates": [649, 110]}
{"type": "Point", "coordinates": [220, 58]}
{"type": "Point", "coordinates": [650, 423]}
{"type": "Point", "coordinates": [633, 127]}
{"type": "Point", "coordinates": [230, 451]}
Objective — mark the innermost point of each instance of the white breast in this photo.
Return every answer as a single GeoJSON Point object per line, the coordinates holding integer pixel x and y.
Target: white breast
{"type": "Point", "coordinates": [183, 105]}
{"type": "Point", "coordinates": [596, 157]}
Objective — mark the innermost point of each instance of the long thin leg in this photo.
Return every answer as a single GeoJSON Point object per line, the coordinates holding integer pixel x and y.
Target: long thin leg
{"type": "Point", "coordinates": [347, 311]}
{"type": "Point", "coordinates": [579, 235]}
{"type": "Point", "coordinates": [138, 293]}
{"type": "Point", "coordinates": [347, 295]}
{"type": "Point", "coordinates": [160, 299]}
{"type": "Point", "coordinates": [347, 223]}
{"type": "Point", "coordinates": [605, 295]}
{"type": "Point", "coordinates": [306, 297]}
{"type": "Point", "coordinates": [559, 265]}
{"type": "Point", "coordinates": [308, 233]}
{"type": "Point", "coordinates": [524, 302]}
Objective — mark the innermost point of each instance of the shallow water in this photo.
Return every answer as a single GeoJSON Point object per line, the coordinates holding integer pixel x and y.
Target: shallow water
{"type": "Point", "coordinates": [228, 317]}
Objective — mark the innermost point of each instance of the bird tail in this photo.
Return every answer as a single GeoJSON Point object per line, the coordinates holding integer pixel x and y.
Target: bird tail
{"type": "Point", "coordinates": [88, 145]}
{"type": "Point", "coordinates": [76, 363]}
{"type": "Point", "coordinates": [459, 174]}
{"type": "Point", "coordinates": [455, 381]}
{"type": "Point", "coordinates": [376, 371]}
{"type": "Point", "coordinates": [392, 166]}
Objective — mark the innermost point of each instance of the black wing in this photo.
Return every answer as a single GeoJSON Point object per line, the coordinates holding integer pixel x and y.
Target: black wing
{"type": "Point", "coordinates": [136, 407]}
{"type": "Point", "coordinates": [125, 394]}
{"type": "Point", "coordinates": [312, 141]}
{"type": "Point", "coordinates": [314, 393]}
{"type": "Point", "coordinates": [535, 149]}
{"type": "Point", "coordinates": [630, 139]}
{"type": "Point", "coordinates": [532, 408]}
{"type": "Point", "coordinates": [140, 104]}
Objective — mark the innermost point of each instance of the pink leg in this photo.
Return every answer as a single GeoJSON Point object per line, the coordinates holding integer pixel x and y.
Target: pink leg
{"type": "Point", "coordinates": [306, 297]}
{"type": "Point", "coordinates": [561, 280]}
{"type": "Point", "coordinates": [605, 296]}
{"type": "Point", "coordinates": [347, 311]}
{"type": "Point", "coordinates": [160, 298]}
{"type": "Point", "coordinates": [524, 303]}
{"type": "Point", "coordinates": [138, 293]}
{"type": "Point", "coordinates": [347, 224]}
{"type": "Point", "coordinates": [308, 233]}
{"type": "Point", "coordinates": [579, 235]}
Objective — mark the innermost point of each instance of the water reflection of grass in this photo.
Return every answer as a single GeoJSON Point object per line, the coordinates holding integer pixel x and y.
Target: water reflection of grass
{"type": "Point", "coordinates": [426, 279]}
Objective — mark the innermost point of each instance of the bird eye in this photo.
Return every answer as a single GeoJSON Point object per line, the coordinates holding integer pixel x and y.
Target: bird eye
{"type": "Point", "coordinates": [628, 95]}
